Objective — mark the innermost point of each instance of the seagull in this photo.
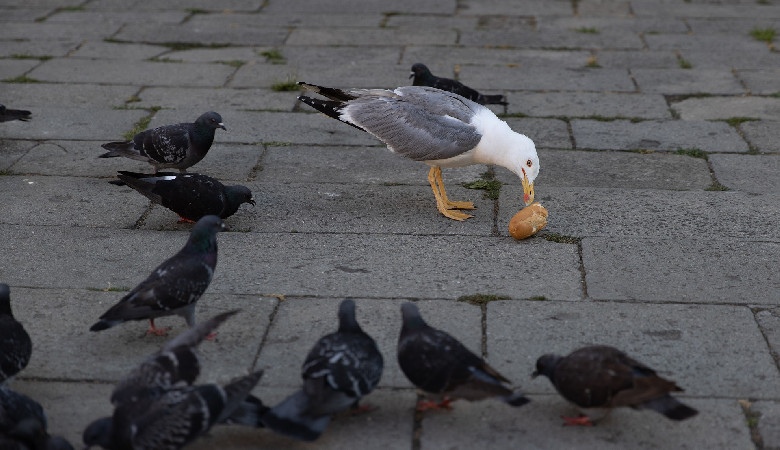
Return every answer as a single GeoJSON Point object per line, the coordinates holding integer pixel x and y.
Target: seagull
{"type": "Point", "coordinates": [604, 377]}
{"type": "Point", "coordinates": [439, 128]}
{"type": "Point", "coordinates": [423, 77]}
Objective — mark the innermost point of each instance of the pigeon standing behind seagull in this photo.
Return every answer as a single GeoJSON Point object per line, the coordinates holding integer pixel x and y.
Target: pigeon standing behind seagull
{"type": "Point", "coordinates": [600, 376]}
{"type": "Point", "coordinates": [175, 285]}
{"type": "Point", "coordinates": [190, 195]}
{"type": "Point", "coordinates": [15, 343]}
{"type": "Point", "coordinates": [439, 364]}
{"type": "Point", "coordinates": [7, 115]}
{"type": "Point", "coordinates": [341, 368]}
{"type": "Point", "coordinates": [171, 146]}
{"type": "Point", "coordinates": [423, 77]}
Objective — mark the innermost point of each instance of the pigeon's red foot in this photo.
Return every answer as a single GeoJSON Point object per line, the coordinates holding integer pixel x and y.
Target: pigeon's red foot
{"type": "Point", "coordinates": [423, 405]}
{"type": "Point", "coordinates": [581, 421]}
{"type": "Point", "coordinates": [211, 336]}
{"type": "Point", "coordinates": [184, 220]}
{"type": "Point", "coordinates": [156, 331]}
{"type": "Point", "coordinates": [363, 409]}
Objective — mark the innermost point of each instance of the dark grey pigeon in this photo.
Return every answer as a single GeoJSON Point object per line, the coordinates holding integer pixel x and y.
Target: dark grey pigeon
{"type": "Point", "coordinates": [15, 343]}
{"type": "Point", "coordinates": [341, 368]}
{"type": "Point", "coordinates": [171, 146]}
{"type": "Point", "coordinates": [190, 195]}
{"type": "Point", "coordinates": [23, 424]}
{"type": "Point", "coordinates": [603, 377]}
{"type": "Point", "coordinates": [423, 77]}
{"type": "Point", "coordinates": [7, 115]}
{"type": "Point", "coordinates": [172, 419]}
{"type": "Point", "coordinates": [175, 285]}
{"type": "Point", "coordinates": [439, 364]}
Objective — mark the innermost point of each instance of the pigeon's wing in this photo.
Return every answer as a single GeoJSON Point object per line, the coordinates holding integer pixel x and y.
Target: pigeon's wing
{"type": "Point", "coordinates": [192, 195]}
{"type": "Point", "coordinates": [16, 407]}
{"type": "Point", "coordinates": [166, 144]}
{"type": "Point", "coordinates": [15, 347]}
{"type": "Point", "coordinates": [593, 376]}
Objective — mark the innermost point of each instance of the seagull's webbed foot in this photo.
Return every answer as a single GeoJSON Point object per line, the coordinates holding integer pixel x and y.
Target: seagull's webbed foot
{"type": "Point", "coordinates": [156, 331]}
{"type": "Point", "coordinates": [443, 204]}
{"type": "Point", "coordinates": [582, 421]}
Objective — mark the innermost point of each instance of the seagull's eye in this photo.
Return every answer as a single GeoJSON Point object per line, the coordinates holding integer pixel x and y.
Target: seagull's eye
{"type": "Point", "coordinates": [529, 163]}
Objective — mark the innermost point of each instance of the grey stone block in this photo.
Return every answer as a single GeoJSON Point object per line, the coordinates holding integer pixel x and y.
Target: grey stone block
{"type": "Point", "coordinates": [335, 18]}
{"type": "Point", "coordinates": [193, 100]}
{"type": "Point", "coordinates": [315, 7]}
{"type": "Point", "coordinates": [180, 5]}
{"type": "Point", "coordinates": [644, 8]}
{"type": "Point", "coordinates": [354, 74]}
{"type": "Point", "coordinates": [11, 151]}
{"type": "Point", "coordinates": [672, 339]}
{"type": "Point", "coordinates": [585, 104]}
{"type": "Point", "coordinates": [725, 270]}
{"type": "Point", "coordinates": [551, 133]}
{"type": "Point", "coordinates": [735, 58]}
{"type": "Point", "coordinates": [526, 8]}
{"type": "Point", "coordinates": [749, 173]}
{"type": "Point", "coordinates": [45, 95]}
{"type": "Point", "coordinates": [370, 37]}
{"type": "Point", "coordinates": [75, 122]}
{"type": "Point", "coordinates": [38, 47]}
{"type": "Point", "coordinates": [12, 68]}
{"type": "Point", "coordinates": [132, 72]}
{"type": "Point", "coordinates": [538, 78]}
{"type": "Point", "coordinates": [762, 135]}
{"type": "Point", "coordinates": [300, 322]}
{"type": "Point", "coordinates": [52, 201]}
{"type": "Point", "coordinates": [768, 422]}
{"type": "Point", "coordinates": [553, 39]}
{"type": "Point", "coordinates": [25, 14]}
{"type": "Point", "coordinates": [59, 31]}
{"type": "Point", "coordinates": [725, 107]}
{"type": "Point", "coordinates": [111, 50]}
{"type": "Point", "coordinates": [657, 135]}
{"type": "Point", "coordinates": [322, 58]}
{"type": "Point", "coordinates": [119, 17]}
{"type": "Point", "coordinates": [768, 319]}
{"type": "Point", "coordinates": [632, 59]}
{"type": "Point", "coordinates": [610, 23]}
{"type": "Point", "coordinates": [761, 82]}
{"type": "Point", "coordinates": [248, 55]}
{"type": "Point", "coordinates": [58, 321]}
{"type": "Point", "coordinates": [205, 34]}
{"type": "Point", "coordinates": [648, 213]}
{"type": "Point", "coordinates": [445, 22]}
{"type": "Point", "coordinates": [525, 58]}
{"type": "Point", "coordinates": [687, 81]}
{"type": "Point", "coordinates": [538, 426]}
{"type": "Point", "coordinates": [704, 42]}
{"type": "Point", "coordinates": [728, 25]}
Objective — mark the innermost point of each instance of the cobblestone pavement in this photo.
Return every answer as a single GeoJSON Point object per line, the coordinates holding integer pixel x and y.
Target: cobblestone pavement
{"type": "Point", "coordinates": [657, 128]}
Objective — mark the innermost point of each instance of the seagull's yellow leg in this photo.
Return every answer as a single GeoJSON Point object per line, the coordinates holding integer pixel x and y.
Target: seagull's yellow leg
{"type": "Point", "coordinates": [449, 204]}
{"type": "Point", "coordinates": [455, 215]}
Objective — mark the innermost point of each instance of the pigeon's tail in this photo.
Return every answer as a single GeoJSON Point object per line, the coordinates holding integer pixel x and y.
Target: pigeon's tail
{"type": "Point", "coordinates": [670, 407]}
{"type": "Point", "coordinates": [103, 324]}
{"type": "Point", "coordinates": [126, 149]}
{"type": "Point", "coordinates": [492, 100]}
{"type": "Point", "coordinates": [516, 399]}
{"type": "Point", "coordinates": [248, 412]}
{"type": "Point", "coordinates": [331, 108]}
{"type": "Point", "coordinates": [289, 419]}
{"type": "Point", "coordinates": [331, 93]}
{"type": "Point", "coordinates": [7, 115]}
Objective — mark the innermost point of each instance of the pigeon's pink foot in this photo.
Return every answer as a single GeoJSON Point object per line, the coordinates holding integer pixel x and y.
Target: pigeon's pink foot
{"type": "Point", "coordinates": [581, 421]}
{"type": "Point", "coordinates": [426, 405]}
{"type": "Point", "coordinates": [184, 220]}
{"type": "Point", "coordinates": [211, 336]}
{"type": "Point", "coordinates": [156, 331]}
{"type": "Point", "coordinates": [363, 409]}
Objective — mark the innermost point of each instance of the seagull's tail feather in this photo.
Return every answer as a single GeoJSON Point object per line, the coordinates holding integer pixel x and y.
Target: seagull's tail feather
{"type": "Point", "coordinates": [670, 407]}
{"type": "Point", "coordinates": [289, 418]}
{"type": "Point", "coordinates": [331, 108]}
{"type": "Point", "coordinates": [492, 100]}
{"type": "Point", "coordinates": [331, 93]}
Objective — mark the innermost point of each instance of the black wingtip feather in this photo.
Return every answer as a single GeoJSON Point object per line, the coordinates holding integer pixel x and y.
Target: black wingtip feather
{"type": "Point", "coordinates": [671, 408]}
{"type": "Point", "coordinates": [100, 326]}
{"type": "Point", "coordinates": [516, 400]}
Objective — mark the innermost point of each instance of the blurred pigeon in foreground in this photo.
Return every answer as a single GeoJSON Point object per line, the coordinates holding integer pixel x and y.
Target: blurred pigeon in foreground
{"type": "Point", "coordinates": [423, 77]}
{"type": "Point", "coordinates": [23, 424]}
{"type": "Point", "coordinates": [171, 146]}
{"type": "Point", "coordinates": [439, 364]}
{"type": "Point", "coordinates": [190, 195]}
{"type": "Point", "coordinates": [341, 368]}
{"type": "Point", "coordinates": [175, 285]}
{"type": "Point", "coordinates": [15, 343]}
{"type": "Point", "coordinates": [604, 377]}
{"type": "Point", "coordinates": [7, 115]}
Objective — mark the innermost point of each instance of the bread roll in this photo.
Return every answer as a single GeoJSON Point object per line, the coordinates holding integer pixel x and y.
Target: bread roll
{"type": "Point", "coordinates": [528, 221]}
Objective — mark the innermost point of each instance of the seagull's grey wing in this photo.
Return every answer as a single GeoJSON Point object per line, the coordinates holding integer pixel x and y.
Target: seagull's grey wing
{"type": "Point", "coordinates": [422, 125]}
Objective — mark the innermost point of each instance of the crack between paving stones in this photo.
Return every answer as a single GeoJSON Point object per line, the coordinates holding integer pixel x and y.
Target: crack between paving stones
{"type": "Point", "coordinates": [755, 435]}
{"type": "Point", "coordinates": [271, 319]}
{"type": "Point", "coordinates": [633, 80]}
{"type": "Point", "coordinates": [142, 220]}
{"type": "Point", "coordinates": [775, 356]}
{"type": "Point", "coordinates": [582, 271]}
{"type": "Point", "coordinates": [417, 427]}
{"type": "Point", "coordinates": [571, 134]}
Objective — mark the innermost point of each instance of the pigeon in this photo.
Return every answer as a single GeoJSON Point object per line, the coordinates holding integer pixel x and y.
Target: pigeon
{"type": "Point", "coordinates": [439, 364]}
{"type": "Point", "coordinates": [7, 115]}
{"type": "Point", "coordinates": [171, 419]}
{"type": "Point", "coordinates": [436, 127]}
{"type": "Point", "coordinates": [171, 146]}
{"type": "Point", "coordinates": [190, 195]}
{"type": "Point", "coordinates": [341, 368]}
{"type": "Point", "coordinates": [600, 376]}
{"type": "Point", "coordinates": [423, 77]}
{"type": "Point", "coordinates": [23, 424]}
{"type": "Point", "coordinates": [15, 343]}
{"type": "Point", "coordinates": [175, 285]}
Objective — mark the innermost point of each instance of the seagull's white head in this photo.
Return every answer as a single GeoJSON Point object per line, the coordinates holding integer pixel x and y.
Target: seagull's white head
{"type": "Point", "coordinates": [526, 167]}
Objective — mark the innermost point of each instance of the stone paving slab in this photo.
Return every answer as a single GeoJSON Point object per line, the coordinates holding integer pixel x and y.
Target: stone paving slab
{"type": "Point", "coordinates": [339, 208]}
{"type": "Point", "coordinates": [12, 68]}
{"type": "Point", "coordinates": [749, 173]}
{"type": "Point", "coordinates": [203, 34]}
{"type": "Point", "coordinates": [768, 422]}
{"type": "Point", "coordinates": [206, 99]}
{"type": "Point", "coordinates": [355, 74]}
{"type": "Point", "coordinates": [731, 25]}
{"type": "Point", "coordinates": [111, 50]}
{"type": "Point", "coordinates": [248, 55]}
{"type": "Point", "coordinates": [603, 24]}
{"type": "Point", "coordinates": [535, 425]}
{"type": "Point", "coordinates": [525, 8]}
{"type": "Point", "coordinates": [360, 37]}
{"type": "Point", "coordinates": [141, 5]}
{"type": "Point", "coordinates": [629, 59]}
{"type": "Point", "coordinates": [657, 135]}
{"type": "Point", "coordinates": [316, 7]}
{"type": "Point", "coordinates": [693, 270]}
{"type": "Point", "coordinates": [23, 14]}
{"type": "Point", "coordinates": [300, 322]}
{"type": "Point", "coordinates": [58, 31]}
{"type": "Point", "coordinates": [726, 107]}
{"type": "Point", "coordinates": [585, 104]}
{"type": "Point", "coordinates": [131, 15]}
{"type": "Point", "coordinates": [78, 122]}
{"type": "Point", "coordinates": [761, 82]}
{"type": "Point", "coordinates": [538, 78]}
{"type": "Point", "coordinates": [39, 96]}
{"type": "Point", "coordinates": [40, 48]}
{"type": "Point", "coordinates": [548, 132]}
{"type": "Point", "coordinates": [762, 135]}
{"type": "Point", "coordinates": [687, 81]}
{"type": "Point", "coordinates": [624, 213]}
{"type": "Point", "coordinates": [734, 59]}
{"type": "Point", "coordinates": [566, 39]}
{"type": "Point", "coordinates": [110, 354]}
{"type": "Point", "coordinates": [675, 340]}
{"type": "Point", "coordinates": [323, 57]}
{"type": "Point", "coordinates": [495, 55]}
{"type": "Point", "coordinates": [705, 41]}
{"type": "Point", "coordinates": [645, 8]}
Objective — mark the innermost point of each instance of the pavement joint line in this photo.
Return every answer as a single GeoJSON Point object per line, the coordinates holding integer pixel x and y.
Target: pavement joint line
{"type": "Point", "coordinates": [772, 352]}
{"type": "Point", "coordinates": [271, 321]}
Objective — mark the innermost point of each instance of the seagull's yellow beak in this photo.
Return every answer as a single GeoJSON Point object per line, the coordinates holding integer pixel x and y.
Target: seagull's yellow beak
{"type": "Point", "coordinates": [528, 190]}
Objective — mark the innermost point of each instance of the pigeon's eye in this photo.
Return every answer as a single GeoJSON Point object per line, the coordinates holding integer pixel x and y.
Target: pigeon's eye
{"type": "Point", "coordinates": [529, 163]}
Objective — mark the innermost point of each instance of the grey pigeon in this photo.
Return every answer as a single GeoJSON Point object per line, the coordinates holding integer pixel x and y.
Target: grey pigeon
{"type": "Point", "coordinates": [15, 343]}
{"type": "Point", "coordinates": [342, 368]}
{"type": "Point", "coordinates": [175, 285]}
{"type": "Point", "coordinates": [439, 364]}
{"type": "Point", "coordinates": [23, 424]}
{"type": "Point", "coordinates": [423, 77]}
{"type": "Point", "coordinates": [604, 377]}
{"type": "Point", "coordinates": [439, 128]}
{"type": "Point", "coordinates": [171, 146]}
{"type": "Point", "coordinates": [172, 419]}
{"type": "Point", "coordinates": [7, 115]}
{"type": "Point", "coordinates": [189, 195]}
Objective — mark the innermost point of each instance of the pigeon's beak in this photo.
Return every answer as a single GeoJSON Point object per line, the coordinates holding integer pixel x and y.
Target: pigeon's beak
{"type": "Point", "coordinates": [224, 227]}
{"type": "Point", "coordinates": [222, 125]}
{"type": "Point", "coordinates": [528, 190]}
{"type": "Point", "coordinates": [535, 374]}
